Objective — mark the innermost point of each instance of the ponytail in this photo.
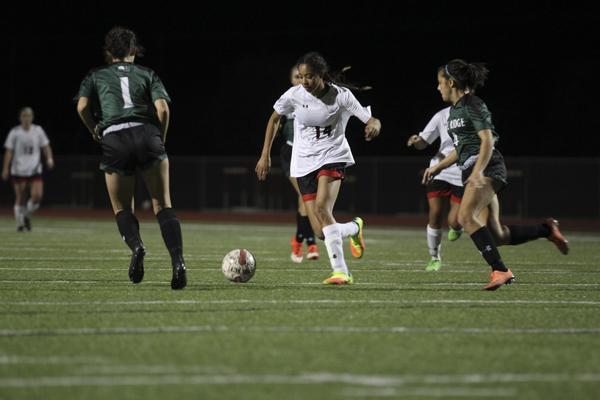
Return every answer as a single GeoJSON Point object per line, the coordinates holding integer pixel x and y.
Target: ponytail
{"type": "Point", "coordinates": [320, 67]}
{"type": "Point", "coordinates": [467, 76]}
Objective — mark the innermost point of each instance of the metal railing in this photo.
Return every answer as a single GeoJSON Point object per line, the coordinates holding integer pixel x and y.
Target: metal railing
{"type": "Point", "coordinates": [566, 187]}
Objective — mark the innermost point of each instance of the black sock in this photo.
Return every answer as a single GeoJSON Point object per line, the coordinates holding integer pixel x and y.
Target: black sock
{"type": "Point", "coordinates": [171, 233]}
{"type": "Point", "coordinates": [299, 228]}
{"type": "Point", "coordinates": [309, 235]}
{"type": "Point", "coordinates": [129, 228]}
{"type": "Point", "coordinates": [525, 233]}
{"type": "Point", "coordinates": [485, 244]}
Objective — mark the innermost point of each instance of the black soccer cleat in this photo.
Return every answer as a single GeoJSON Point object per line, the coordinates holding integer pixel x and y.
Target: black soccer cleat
{"type": "Point", "coordinates": [179, 279]}
{"type": "Point", "coordinates": [27, 223]}
{"type": "Point", "coordinates": [136, 267]}
{"type": "Point", "coordinates": [20, 228]}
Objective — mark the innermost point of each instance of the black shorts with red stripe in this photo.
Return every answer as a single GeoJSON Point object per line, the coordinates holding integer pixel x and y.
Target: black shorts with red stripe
{"type": "Point", "coordinates": [439, 188]}
{"type": "Point", "coordinates": [26, 179]}
{"type": "Point", "coordinates": [308, 184]}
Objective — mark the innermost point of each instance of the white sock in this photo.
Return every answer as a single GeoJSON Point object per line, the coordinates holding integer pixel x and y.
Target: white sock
{"type": "Point", "coordinates": [20, 215]}
{"type": "Point", "coordinates": [348, 229]}
{"type": "Point", "coordinates": [434, 242]}
{"type": "Point", "coordinates": [335, 250]}
{"type": "Point", "coordinates": [32, 207]}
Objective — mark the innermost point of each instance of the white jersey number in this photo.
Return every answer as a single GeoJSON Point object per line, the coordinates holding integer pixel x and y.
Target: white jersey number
{"type": "Point", "coordinates": [127, 103]}
{"type": "Point", "coordinates": [455, 141]}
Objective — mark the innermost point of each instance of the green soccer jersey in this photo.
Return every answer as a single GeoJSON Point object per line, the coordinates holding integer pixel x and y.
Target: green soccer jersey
{"type": "Point", "coordinates": [287, 130]}
{"type": "Point", "coordinates": [123, 92]}
{"type": "Point", "coordinates": [467, 117]}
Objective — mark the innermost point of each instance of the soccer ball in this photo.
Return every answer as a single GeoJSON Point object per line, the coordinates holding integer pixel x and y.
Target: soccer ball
{"type": "Point", "coordinates": [239, 265]}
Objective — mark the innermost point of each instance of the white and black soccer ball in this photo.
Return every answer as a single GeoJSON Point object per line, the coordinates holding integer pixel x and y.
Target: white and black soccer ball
{"type": "Point", "coordinates": [239, 265]}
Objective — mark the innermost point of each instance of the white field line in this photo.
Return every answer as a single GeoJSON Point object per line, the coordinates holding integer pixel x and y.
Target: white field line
{"type": "Point", "coordinates": [112, 281]}
{"type": "Point", "coordinates": [290, 329]}
{"type": "Point", "coordinates": [299, 301]}
{"type": "Point", "coordinates": [316, 378]}
{"type": "Point", "coordinates": [285, 269]}
{"type": "Point", "coordinates": [420, 392]}
{"type": "Point", "coordinates": [67, 360]}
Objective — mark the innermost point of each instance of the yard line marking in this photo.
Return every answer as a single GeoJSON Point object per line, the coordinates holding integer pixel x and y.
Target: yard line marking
{"type": "Point", "coordinates": [67, 360]}
{"type": "Point", "coordinates": [288, 329]}
{"type": "Point", "coordinates": [314, 378]}
{"type": "Point", "coordinates": [284, 269]}
{"type": "Point", "coordinates": [429, 392]}
{"type": "Point", "coordinates": [299, 301]}
{"type": "Point", "coordinates": [121, 282]}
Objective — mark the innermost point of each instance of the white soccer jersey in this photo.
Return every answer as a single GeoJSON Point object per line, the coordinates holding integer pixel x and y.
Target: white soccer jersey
{"type": "Point", "coordinates": [319, 126]}
{"type": "Point", "coordinates": [438, 128]}
{"type": "Point", "coordinates": [26, 147]}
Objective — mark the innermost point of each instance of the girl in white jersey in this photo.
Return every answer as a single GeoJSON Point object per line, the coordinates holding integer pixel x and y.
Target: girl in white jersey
{"type": "Point", "coordinates": [22, 162]}
{"type": "Point", "coordinates": [321, 153]}
{"type": "Point", "coordinates": [445, 188]}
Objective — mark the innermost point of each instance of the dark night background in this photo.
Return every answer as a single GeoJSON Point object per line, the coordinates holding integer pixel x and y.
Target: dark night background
{"type": "Point", "coordinates": [225, 65]}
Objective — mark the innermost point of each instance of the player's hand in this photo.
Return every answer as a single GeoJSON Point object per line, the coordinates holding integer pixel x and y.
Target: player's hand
{"type": "Point", "coordinates": [50, 163]}
{"type": "Point", "coordinates": [372, 129]}
{"type": "Point", "coordinates": [476, 179]}
{"type": "Point", "coordinates": [429, 174]}
{"type": "Point", "coordinates": [412, 140]}
{"type": "Point", "coordinates": [97, 134]}
{"type": "Point", "coordinates": [262, 168]}
{"type": "Point", "coordinates": [4, 175]}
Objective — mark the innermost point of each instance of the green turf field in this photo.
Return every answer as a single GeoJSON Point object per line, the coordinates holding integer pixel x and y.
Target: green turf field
{"type": "Point", "coordinates": [73, 327]}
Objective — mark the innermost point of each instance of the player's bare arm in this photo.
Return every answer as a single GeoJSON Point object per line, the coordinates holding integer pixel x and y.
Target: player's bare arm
{"type": "Point", "coordinates": [264, 163]}
{"type": "Point", "coordinates": [430, 172]}
{"type": "Point", "coordinates": [83, 109]}
{"type": "Point", "coordinates": [163, 114]}
{"type": "Point", "coordinates": [372, 129]}
{"type": "Point", "coordinates": [48, 156]}
{"type": "Point", "coordinates": [485, 153]}
{"type": "Point", "coordinates": [8, 155]}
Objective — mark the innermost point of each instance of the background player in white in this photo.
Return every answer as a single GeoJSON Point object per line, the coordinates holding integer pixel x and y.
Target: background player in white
{"type": "Point", "coordinates": [303, 228]}
{"type": "Point", "coordinates": [321, 153]}
{"type": "Point", "coordinates": [446, 189]}
{"type": "Point", "coordinates": [22, 163]}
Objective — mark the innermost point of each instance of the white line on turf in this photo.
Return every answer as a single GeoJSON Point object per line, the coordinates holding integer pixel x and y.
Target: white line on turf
{"type": "Point", "coordinates": [289, 329]}
{"type": "Point", "coordinates": [299, 301]}
{"type": "Point", "coordinates": [283, 269]}
{"type": "Point", "coordinates": [68, 360]}
{"type": "Point", "coordinates": [382, 284]}
{"type": "Point", "coordinates": [312, 378]}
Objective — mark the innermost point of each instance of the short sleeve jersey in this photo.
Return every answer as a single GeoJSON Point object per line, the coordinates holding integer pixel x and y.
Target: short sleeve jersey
{"type": "Point", "coordinates": [467, 118]}
{"type": "Point", "coordinates": [319, 126]}
{"type": "Point", "coordinates": [26, 146]}
{"type": "Point", "coordinates": [123, 92]}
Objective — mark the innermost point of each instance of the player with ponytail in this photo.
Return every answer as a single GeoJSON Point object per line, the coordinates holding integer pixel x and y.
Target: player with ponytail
{"type": "Point", "coordinates": [483, 170]}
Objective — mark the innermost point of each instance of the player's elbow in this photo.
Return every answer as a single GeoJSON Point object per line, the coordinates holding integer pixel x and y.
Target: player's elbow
{"type": "Point", "coordinates": [82, 105]}
{"type": "Point", "coordinates": [162, 107]}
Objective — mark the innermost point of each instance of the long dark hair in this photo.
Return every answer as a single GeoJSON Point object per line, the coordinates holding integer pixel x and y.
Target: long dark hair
{"type": "Point", "coordinates": [320, 67]}
{"type": "Point", "coordinates": [467, 76]}
{"type": "Point", "coordinates": [121, 42]}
